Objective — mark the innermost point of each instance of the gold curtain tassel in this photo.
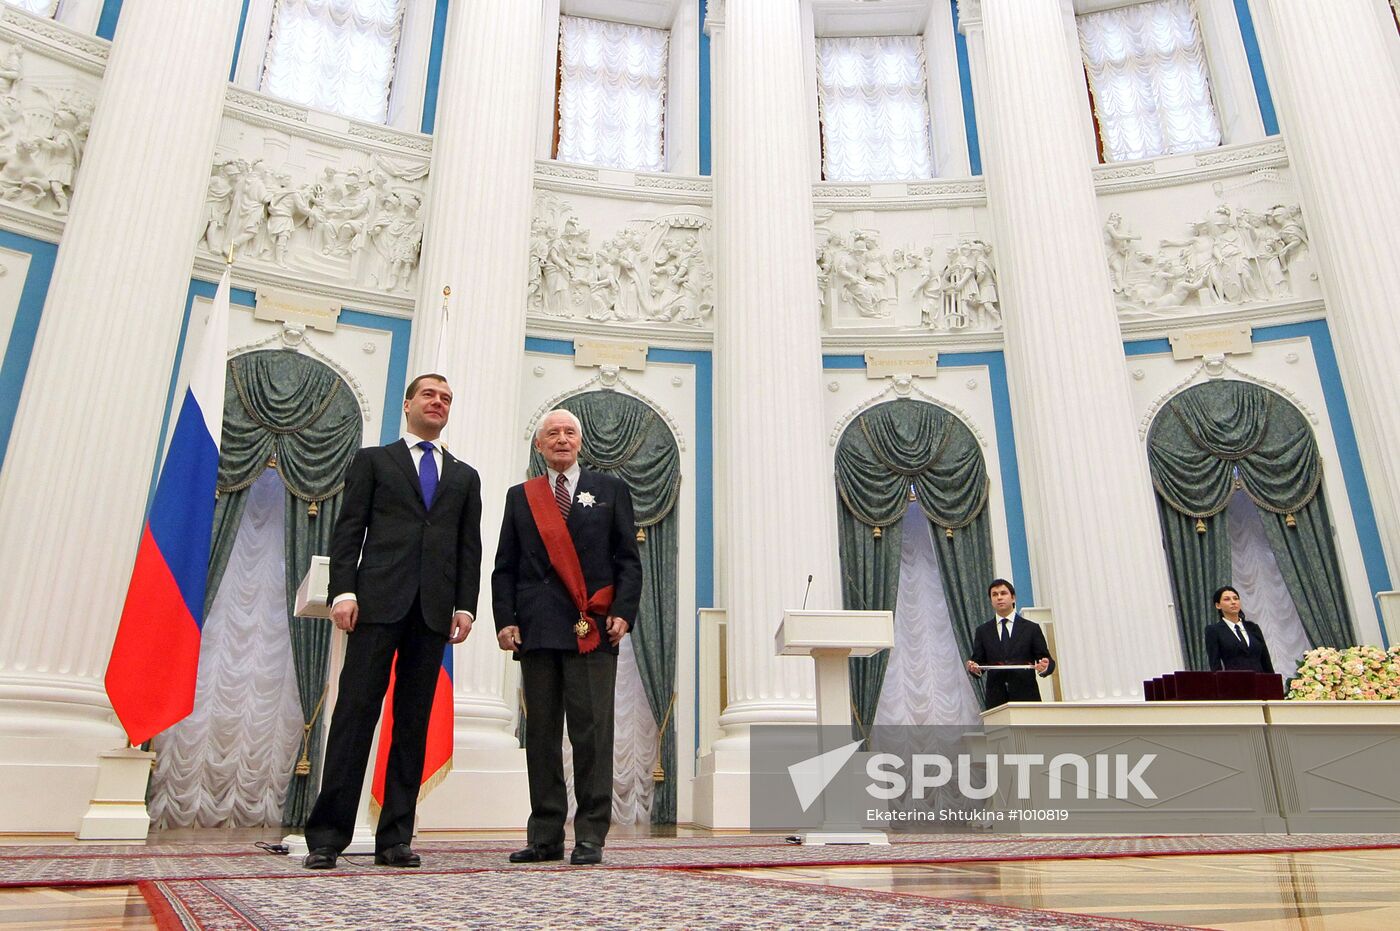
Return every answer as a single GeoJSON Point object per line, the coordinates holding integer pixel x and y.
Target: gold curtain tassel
{"type": "Point", "coordinates": [877, 533]}
{"type": "Point", "coordinates": [912, 497]}
{"type": "Point", "coordinates": [1289, 520]}
{"type": "Point", "coordinates": [641, 535]}
{"type": "Point", "coordinates": [948, 532]}
{"type": "Point", "coordinates": [1200, 525]}
{"type": "Point", "coordinates": [658, 774]}
{"type": "Point", "coordinates": [272, 461]}
{"type": "Point", "coordinates": [313, 508]}
{"type": "Point", "coordinates": [303, 766]}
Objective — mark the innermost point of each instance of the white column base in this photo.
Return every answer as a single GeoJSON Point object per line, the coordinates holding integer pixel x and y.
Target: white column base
{"type": "Point", "coordinates": [721, 791]}
{"type": "Point", "coordinates": [118, 807]}
{"type": "Point", "coordinates": [47, 783]}
{"type": "Point", "coordinates": [486, 789]}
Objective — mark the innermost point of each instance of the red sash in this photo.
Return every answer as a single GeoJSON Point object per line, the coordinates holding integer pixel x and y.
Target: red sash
{"type": "Point", "coordinates": [564, 558]}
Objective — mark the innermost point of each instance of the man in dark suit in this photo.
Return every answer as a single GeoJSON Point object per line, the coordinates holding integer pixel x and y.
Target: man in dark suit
{"type": "Point", "coordinates": [404, 576]}
{"type": "Point", "coordinates": [565, 591]}
{"type": "Point", "coordinates": [1008, 639]}
{"type": "Point", "coordinates": [1233, 642]}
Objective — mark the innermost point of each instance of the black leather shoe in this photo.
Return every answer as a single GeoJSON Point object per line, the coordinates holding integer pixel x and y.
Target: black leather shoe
{"type": "Point", "coordinates": [586, 853]}
{"type": "Point", "coordinates": [321, 858]}
{"type": "Point", "coordinates": [538, 853]}
{"type": "Point", "coordinates": [397, 855]}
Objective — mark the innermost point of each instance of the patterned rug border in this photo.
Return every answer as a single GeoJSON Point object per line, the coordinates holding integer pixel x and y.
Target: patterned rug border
{"type": "Point", "coordinates": [170, 903]}
{"type": "Point", "coordinates": [883, 894]}
{"type": "Point", "coordinates": [288, 868]}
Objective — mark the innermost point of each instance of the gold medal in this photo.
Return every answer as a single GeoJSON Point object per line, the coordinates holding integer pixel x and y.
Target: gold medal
{"type": "Point", "coordinates": [581, 628]}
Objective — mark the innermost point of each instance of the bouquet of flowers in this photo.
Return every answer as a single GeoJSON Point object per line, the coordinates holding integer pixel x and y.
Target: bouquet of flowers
{"type": "Point", "coordinates": [1351, 674]}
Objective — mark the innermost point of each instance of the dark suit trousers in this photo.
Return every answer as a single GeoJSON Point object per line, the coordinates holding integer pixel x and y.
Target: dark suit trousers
{"type": "Point", "coordinates": [561, 685]}
{"type": "Point", "coordinates": [364, 678]}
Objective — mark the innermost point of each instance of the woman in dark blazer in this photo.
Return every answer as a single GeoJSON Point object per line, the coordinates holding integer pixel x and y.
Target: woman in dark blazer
{"type": "Point", "coordinates": [1233, 642]}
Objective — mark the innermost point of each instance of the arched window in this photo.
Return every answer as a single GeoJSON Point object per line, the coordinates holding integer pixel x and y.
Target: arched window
{"type": "Point", "coordinates": [1148, 80]}
{"type": "Point", "coordinates": [1238, 478]}
{"type": "Point", "coordinates": [336, 55]}
{"type": "Point", "coordinates": [935, 581]}
{"type": "Point", "coordinates": [872, 95]}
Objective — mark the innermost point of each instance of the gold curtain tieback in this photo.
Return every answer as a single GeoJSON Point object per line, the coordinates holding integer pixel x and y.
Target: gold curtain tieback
{"type": "Point", "coordinates": [1289, 520]}
{"type": "Point", "coordinates": [876, 533]}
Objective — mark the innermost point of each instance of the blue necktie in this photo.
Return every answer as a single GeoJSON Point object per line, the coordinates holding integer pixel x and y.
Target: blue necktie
{"type": "Point", "coordinates": [1005, 634]}
{"type": "Point", "coordinates": [427, 473]}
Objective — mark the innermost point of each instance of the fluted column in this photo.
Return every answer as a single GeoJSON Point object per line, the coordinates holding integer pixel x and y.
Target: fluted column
{"type": "Point", "coordinates": [1342, 124]}
{"type": "Point", "coordinates": [778, 520]}
{"type": "Point", "coordinates": [477, 242]}
{"type": "Point", "coordinates": [1095, 543]}
{"type": "Point", "coordinates": [79, 463]}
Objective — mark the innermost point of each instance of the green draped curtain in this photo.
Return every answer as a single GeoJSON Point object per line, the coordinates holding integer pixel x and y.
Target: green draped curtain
{"type": "Point", "coordinates": [286, 411]}
{"type": "Point", "coordinates": [622, 436]}
{"type": "Point", "coordinates": [887, 450]}
{"type": "Point", "coordinates": [1206, 443]}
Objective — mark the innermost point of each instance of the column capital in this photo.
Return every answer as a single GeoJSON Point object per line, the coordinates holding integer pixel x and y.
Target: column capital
{"type": "Point", "coordinates": [969, 15]}
{"type": "Point", "coordinates": [714, 17]}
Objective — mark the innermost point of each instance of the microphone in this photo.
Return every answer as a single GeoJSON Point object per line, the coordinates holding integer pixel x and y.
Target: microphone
{"type": "Point", "coordinates": [807, 592]}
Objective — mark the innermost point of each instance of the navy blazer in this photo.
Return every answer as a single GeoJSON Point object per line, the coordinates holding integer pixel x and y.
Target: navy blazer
{"type": "Point", "coordinates": [1224, 650]}
{"type": "Point", "coordinates": [526, 591]}
{"type": "Point", "coordinates": [389, 548]}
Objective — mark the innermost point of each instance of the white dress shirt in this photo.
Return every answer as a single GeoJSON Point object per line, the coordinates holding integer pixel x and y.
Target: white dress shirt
{"type": "Point", "coordinates": [571, 477]}
{"type": "Point", "coordinates": [1237, 628]}
{"type": "Point", "coordinates": [1010, 620]}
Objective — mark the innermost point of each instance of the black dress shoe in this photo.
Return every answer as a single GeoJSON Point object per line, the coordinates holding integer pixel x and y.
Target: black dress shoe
{"type": "Point", "coordinates": [586, 853]}
{"type": "Point", "coordinates": [321, 858]}
{"type": "Point", "coordinates": [538, 853]}
{"type": "Point", "coordinates": [397, 855]}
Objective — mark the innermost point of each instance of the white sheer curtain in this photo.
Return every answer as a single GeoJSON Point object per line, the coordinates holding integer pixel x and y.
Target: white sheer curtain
{"type": "Point", "coordinates": [612, 94]}
{"type": "Point", "coordinates": [873, 99]}
{"type": "Point", "coordinates": [228, 763]}
{"type": "Point", "coordinates": [1147, 69]}
{"type": "Point", "coordinates": [925, 682]}
{"type": "Point", "coordinates": [1254, 571]}
{"type": "Point", "coordinates": [37, 7]}
{"type": "Point", "coordinates": [335, 55]}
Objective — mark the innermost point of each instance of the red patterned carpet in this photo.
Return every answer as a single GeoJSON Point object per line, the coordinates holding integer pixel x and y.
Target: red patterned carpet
{"type": "Point", "coordinates": [627, 900]}
{"type": "Point", "coordinates": [110, 864]}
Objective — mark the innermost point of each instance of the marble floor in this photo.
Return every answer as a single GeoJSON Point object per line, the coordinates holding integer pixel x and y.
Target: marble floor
{"type": "Point", "coordinates": [1317, 891]}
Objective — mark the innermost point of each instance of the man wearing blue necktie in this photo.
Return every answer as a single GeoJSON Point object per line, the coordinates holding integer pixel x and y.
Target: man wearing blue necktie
{"type": "Point", "coordinates": [404, 575]}
{"type": "Point", "coordinates": [1008, 639]}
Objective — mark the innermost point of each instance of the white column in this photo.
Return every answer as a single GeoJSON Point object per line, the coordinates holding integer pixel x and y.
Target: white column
{"type": "Point", "coordinates": [778, 521]}
{"type": "Point", "coordinates": [1094, 537]}
{"type": "Point", "coordinates": [78, 468]}
{"type": "Point", "coordinates": [1342, 125]}
{"type": "Point", "coordinates": [476, 241]}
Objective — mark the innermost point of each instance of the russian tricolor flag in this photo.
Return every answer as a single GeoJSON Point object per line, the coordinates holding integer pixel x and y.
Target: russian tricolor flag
{"type": "Point", "coordinates": [151, 675]}
{"type": "Point", "coordinates": [437, 756]}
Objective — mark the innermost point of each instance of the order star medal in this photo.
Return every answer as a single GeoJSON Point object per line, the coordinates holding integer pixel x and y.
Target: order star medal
{"type": "Point", "coordinates": [581, 627]}
{"type": "Point", "coordinates": [586, 499]}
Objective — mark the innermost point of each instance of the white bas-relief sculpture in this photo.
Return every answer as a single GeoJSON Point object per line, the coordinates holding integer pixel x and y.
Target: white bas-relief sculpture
{"type": "Point", "coordinates": [359, 224]}
{"type": "Point", "coordinates": [860, 286]}
{"type": "Point", "coordinates": [42, 135]}
{"type": "Point", "coordinates": [651, 272]}
{"type": "Point", "coordinates": [1234, 256]}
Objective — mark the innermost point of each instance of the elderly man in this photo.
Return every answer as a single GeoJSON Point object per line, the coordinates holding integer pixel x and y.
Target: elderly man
{"type": "Point", "coordinates": [565, 591]}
